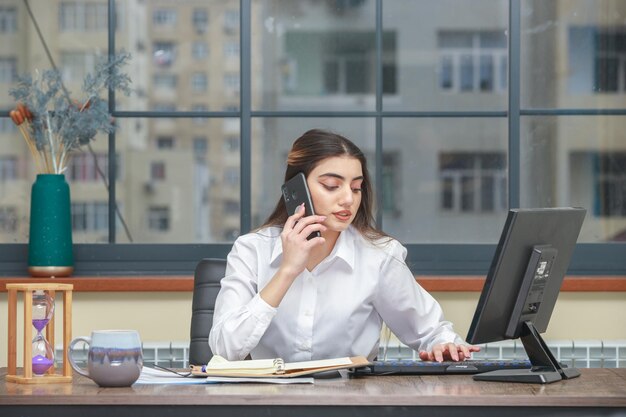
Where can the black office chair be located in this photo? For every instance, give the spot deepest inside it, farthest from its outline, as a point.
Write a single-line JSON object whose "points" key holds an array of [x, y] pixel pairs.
{"points": [[206, 285]]}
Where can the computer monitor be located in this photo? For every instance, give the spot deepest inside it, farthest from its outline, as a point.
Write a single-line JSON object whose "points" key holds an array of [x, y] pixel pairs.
{"points": [[522, 286]]}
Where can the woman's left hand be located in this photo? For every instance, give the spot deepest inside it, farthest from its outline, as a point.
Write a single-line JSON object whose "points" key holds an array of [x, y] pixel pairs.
{"points": [[449, 352]]}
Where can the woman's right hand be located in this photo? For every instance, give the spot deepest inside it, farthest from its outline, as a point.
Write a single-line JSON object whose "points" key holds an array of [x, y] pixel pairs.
{"points": [[296, 247]]}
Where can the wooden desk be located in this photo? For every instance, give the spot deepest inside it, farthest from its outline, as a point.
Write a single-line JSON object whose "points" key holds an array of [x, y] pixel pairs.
{"points": [[596, 392]]}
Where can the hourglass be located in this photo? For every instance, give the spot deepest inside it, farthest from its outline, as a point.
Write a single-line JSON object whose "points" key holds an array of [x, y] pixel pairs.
{"points": [[39, 351], [42, 352]]}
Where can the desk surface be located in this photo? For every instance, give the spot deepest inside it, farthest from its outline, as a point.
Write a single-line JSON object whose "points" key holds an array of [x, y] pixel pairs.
{"points": [[401, 395]]}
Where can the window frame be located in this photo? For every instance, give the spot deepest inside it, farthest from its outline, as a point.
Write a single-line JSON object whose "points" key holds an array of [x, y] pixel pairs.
{"points": [[437, 259]]}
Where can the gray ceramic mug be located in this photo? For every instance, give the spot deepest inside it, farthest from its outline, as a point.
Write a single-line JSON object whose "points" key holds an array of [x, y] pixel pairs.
{"points": [[114, 358]]}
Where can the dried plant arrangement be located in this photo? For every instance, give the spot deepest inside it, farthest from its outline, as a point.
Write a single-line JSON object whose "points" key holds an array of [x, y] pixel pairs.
{"points": [[52, 124]]}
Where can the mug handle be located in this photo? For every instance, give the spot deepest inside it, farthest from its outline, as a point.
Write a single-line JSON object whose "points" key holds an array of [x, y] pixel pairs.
{"points": [[77, 368]]}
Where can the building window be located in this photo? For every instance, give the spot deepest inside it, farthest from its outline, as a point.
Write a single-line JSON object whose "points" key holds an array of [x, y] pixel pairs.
{"points": [[8, 219], [231, 176], [610, 184], [472, 61], [200, 145], [199, 81], [231, 144], [76, 65], [8, 168], [165, 81], [165, 142], [83, 17], [473, 182], [8, 70], [83, 168], [164, 17], [346, 61], [231, 82], [164, 54], [199, 50], [610, 62], [90, 216], [200, 20], [8, 19], [159, 218], [157, 171], [231, 49], [231, 207], [164, 107], [231, 21]]}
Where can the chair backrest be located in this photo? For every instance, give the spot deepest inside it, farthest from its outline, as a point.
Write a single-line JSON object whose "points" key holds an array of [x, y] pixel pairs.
{"points": [[206, 285]]}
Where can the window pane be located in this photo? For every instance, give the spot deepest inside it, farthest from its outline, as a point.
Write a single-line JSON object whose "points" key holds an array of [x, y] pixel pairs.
{"points": [[443, 63], [577, 161], [445, 178], [172, 52], [271, 141], [573, 53], [178, 171], [316, 55]]}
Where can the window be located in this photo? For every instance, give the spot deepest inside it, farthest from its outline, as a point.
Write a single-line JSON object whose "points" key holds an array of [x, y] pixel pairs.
{"points": [[346, 62], [8, 219], [199, 82], [165, 81], [8, 69], [610, 62], [159, 218], [76, 64], [164, 54], [473, 182], [199, 50], [231, 176], [232, 144], [231, 21], [472, 61], [8, 19], [610, 184], [164, 107], [231, 207], [231, 82], [83, 168], [157, 171], [90, 216], [200, 19], [164, 17], [77, 16], [200, 145], [231, 49], [165, 142], [8, 168]]}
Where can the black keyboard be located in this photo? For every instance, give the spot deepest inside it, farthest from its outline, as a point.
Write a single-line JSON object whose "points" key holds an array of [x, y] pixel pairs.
{"points": [[418, 367]]}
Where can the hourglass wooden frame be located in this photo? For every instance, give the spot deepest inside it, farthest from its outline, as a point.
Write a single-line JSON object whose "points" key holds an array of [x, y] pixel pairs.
{"points": [[50, 376]]}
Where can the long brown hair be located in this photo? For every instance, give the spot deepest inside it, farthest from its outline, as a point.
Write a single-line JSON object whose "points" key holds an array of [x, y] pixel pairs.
{"points": [[306, 153]]}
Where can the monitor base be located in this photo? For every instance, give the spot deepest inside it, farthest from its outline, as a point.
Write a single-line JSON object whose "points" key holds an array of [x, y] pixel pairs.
{"points": [[520, 375]]}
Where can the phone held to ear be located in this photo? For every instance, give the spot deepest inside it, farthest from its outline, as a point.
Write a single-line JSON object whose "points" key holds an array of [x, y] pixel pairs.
{"points": [[295, 192]]}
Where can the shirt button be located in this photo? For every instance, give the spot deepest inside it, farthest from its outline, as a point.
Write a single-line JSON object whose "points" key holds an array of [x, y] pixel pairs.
{"points": [[306, 346]]}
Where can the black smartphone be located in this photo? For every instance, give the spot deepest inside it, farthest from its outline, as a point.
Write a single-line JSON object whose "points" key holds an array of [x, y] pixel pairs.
{"points": [[295, 192]]}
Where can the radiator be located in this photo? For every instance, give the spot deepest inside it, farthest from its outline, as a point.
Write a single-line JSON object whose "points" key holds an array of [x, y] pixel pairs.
{"points": [[573, 353]]}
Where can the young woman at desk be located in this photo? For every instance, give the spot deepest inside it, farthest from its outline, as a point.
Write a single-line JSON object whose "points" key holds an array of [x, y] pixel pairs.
{"points": [[297, 299]]}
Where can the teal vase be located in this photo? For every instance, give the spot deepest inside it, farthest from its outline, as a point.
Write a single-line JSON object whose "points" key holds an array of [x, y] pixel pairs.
{"points": [[50, 238]]}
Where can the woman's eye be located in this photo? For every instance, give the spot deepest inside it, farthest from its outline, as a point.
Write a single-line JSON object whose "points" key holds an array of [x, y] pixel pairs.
{"points": [[330, 187], [356, 190]]}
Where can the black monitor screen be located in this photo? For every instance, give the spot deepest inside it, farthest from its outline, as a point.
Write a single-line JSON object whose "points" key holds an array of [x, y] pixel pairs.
{"points": [[525, 277]]}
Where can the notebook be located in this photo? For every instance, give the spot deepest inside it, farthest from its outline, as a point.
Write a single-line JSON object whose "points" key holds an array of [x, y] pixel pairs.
{"points": [[274, 368]]}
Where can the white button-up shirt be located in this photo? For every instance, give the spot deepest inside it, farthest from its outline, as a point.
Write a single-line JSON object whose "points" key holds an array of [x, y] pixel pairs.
{"points": [[335, 310]]}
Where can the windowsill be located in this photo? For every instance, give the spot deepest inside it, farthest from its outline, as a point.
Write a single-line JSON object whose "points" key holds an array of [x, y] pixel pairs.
{"points": [[184, 283]]}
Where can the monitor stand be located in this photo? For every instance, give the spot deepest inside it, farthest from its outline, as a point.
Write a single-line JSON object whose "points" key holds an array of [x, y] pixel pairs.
{"points": [[545, 368]]}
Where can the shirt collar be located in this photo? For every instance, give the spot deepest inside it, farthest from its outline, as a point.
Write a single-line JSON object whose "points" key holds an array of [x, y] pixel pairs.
{"points": [[345, 248]]}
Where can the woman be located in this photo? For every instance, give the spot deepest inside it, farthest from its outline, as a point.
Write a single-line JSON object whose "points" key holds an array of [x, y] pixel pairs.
{"points": [[298, 299]]}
